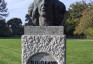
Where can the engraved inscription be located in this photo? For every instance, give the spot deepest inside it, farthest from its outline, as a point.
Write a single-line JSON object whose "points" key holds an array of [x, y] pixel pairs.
{"points": [[43, 62]]}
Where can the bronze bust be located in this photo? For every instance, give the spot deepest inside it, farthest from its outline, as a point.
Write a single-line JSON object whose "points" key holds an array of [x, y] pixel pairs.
{"points": [[46, 12]]}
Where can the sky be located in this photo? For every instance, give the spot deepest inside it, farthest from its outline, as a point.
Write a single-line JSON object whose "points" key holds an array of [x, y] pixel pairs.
{"points": [[19, 8]]}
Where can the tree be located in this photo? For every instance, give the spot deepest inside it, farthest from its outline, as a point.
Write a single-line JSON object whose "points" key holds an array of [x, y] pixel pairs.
{"points": [[3, 9], [29, 20], [4, 30], [15, 24], [73, 15], [86, 22]]}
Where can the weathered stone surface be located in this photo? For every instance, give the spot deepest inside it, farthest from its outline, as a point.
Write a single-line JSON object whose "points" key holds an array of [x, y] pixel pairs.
{"points": [[54, 45], [44, 30]]}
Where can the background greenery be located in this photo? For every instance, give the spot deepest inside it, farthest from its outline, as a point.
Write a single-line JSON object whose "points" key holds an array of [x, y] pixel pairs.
{"points": [[78, 21], [77, 51]]}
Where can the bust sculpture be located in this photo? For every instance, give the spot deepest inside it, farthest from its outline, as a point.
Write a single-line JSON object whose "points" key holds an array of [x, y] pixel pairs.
{"points": [[46, 12]]}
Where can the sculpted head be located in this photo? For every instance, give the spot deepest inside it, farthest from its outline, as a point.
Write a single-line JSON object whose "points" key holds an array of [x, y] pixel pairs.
{"points": [[45, 7], [46, 12]]}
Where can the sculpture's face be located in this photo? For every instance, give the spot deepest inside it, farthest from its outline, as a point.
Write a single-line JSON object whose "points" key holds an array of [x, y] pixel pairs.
{"points": [[45, 7]]}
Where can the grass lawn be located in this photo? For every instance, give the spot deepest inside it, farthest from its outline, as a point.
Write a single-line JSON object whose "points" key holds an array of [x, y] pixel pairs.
{"points": [[78, 52], [10, 51]]}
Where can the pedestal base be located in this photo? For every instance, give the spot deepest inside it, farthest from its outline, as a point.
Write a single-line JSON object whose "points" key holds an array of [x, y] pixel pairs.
{"points": [[43, 49]]}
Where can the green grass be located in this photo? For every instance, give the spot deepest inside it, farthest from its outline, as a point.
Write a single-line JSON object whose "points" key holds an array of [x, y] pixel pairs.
{"points": [[78, 52], [10, 51]]}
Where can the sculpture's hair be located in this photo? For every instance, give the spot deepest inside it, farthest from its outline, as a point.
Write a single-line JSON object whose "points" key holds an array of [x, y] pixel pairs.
{"points": [[58, 12]]}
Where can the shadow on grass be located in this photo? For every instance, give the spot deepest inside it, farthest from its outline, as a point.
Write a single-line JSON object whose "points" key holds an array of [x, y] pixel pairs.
{"points": [[14, 37]]}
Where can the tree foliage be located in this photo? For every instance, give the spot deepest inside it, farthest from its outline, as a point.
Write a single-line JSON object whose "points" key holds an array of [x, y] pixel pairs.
{"points": [[86, 22], [78, 18], [28, 20], [3, 9], [16, 25], [4, 30]]}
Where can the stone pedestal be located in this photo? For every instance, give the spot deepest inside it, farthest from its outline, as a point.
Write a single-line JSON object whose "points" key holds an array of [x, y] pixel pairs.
{"points": [[44, 45]]}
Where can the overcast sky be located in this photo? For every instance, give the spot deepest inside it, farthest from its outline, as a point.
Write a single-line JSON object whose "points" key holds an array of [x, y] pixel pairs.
{"points": [[19, 8]]}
